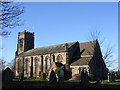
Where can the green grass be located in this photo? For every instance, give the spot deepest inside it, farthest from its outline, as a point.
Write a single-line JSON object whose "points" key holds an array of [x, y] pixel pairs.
{"points": [[28, 79], [66, 81], [104, 82], [116, 82], [92, 81], [15, 79], [34, 79]]}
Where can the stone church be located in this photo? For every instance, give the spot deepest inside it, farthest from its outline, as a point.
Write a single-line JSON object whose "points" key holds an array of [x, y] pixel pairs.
{"points": [[74, 57]]}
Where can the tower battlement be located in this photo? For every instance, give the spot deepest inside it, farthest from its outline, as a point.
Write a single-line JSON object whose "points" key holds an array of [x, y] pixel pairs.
{"points": [[25, 41], [26, 32]]}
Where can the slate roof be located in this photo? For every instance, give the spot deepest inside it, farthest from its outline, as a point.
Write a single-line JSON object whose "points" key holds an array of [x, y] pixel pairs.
{"points": [[87, 49], [82, 61], [46, 50]]}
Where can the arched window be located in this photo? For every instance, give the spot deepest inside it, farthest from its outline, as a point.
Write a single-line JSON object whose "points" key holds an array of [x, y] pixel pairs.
{"points": [[59, 58], [36, 66], [53, 58], [79, 70], [31, 67], [21, 44], [27, 66], [19, 62], [47, 64], [41, 63]]}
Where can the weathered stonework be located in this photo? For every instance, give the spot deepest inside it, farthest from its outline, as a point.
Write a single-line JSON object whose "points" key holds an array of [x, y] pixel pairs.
{"points": [[27, 63], [34, 62]]}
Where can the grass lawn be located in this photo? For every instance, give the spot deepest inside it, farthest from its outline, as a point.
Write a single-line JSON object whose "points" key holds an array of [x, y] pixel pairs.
{"points": [[34, 79], [92, 81], [15, 79], [116, 82], [28, 79]]}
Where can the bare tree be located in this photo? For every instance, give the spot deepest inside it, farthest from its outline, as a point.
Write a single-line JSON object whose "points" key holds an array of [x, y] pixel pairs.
{"points": [[108, 51], [96, 35], [10, 16], [2, 64], [11, 64]]}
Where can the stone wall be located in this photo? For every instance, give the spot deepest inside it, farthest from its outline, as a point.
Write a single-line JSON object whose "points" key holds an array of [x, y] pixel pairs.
{"points": [[39, 63], [78, 69]]}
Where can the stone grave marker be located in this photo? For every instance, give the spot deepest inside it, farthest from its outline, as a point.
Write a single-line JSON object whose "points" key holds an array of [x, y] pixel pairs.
{"points": [[7, 76], [61, 76], [53, 78], [44, 76], [84, 77]]}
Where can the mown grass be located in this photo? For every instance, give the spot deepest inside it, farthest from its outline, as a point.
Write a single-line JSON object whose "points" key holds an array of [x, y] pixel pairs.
{"points": [[92, 81], [116, 82], [34, 79], [28, 79], [15, 79]]}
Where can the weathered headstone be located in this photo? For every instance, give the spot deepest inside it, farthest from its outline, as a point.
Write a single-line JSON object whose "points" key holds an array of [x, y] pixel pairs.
{"points": [[61, 76], [53, 78], [44, 76], [7, 76], [67, 74], [84, 77], [21, 78], [110, 77]]}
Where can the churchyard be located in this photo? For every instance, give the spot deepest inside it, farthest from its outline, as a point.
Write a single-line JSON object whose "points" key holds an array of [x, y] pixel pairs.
{"points": [[11, 82], [116, 81]]}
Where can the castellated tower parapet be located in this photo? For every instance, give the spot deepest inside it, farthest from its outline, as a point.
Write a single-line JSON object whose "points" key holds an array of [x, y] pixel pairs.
{"points": [[25, 41], [26, 32]]}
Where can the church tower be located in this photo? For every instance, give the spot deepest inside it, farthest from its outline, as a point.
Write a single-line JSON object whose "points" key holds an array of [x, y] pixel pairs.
{"points": [[25, 42]]}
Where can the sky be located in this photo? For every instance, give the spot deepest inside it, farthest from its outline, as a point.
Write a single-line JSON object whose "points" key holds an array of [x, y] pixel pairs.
{"points": [[64, 22], [119, 37], [66, 0]]}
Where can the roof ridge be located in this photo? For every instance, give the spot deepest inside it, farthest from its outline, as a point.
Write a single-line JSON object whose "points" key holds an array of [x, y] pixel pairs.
{"points": [[54, 45], [89, 41], [49, 48]]}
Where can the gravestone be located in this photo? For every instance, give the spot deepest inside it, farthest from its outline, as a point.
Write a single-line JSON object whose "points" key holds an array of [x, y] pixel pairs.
{"points": [[44, 76], [67, 74], [84, 77], [110, 77], [7, 76], [61, 76], [53, 78], [21, 77]]}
